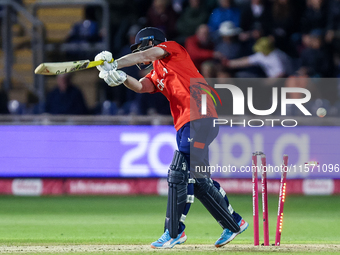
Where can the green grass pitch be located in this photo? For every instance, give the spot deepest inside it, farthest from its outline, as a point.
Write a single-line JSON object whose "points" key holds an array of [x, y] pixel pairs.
{"points": [[138, 220]]}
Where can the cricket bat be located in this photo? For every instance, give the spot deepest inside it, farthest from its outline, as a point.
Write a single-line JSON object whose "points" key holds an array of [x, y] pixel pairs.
{"points": [[56, 68]]}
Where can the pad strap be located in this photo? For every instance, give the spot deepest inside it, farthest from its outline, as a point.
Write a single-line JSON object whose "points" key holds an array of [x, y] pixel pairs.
{"points": [[177, 193], [213, 200]]}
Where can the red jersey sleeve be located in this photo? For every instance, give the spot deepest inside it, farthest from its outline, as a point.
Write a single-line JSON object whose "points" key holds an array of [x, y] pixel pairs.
{"points": [[150, 77], [175, 52]]}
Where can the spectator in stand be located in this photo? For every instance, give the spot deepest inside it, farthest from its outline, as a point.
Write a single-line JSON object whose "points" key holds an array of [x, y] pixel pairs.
{"points": [[275, 63], [161, 15], [230, 46], [314, 17], [254, 17], [177, 5], [200, 47], [122, 15], [86, 31], [223, 73], [208, 69], [65, 98], [316, 60], [284, 25], [333, 29], [188, 22], [3, 102], [226, 11]]}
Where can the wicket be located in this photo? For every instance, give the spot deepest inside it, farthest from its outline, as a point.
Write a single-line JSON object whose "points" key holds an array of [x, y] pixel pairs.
{"points": [[282, 197], [255, 200]]}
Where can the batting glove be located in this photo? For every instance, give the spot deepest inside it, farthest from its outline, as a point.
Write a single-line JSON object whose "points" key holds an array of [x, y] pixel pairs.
{"points": [[113, 78], [109, 64]]}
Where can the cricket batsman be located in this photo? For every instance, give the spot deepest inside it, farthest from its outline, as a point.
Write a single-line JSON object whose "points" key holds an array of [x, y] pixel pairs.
{"points": [[171, 74]]}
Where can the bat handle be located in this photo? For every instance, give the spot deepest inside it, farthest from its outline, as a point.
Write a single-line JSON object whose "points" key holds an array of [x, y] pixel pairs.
{"points": [[98, 63]]}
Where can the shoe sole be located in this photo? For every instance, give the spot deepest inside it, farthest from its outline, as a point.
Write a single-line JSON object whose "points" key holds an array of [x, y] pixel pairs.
{"points": [[233, 236], [179, 241]]}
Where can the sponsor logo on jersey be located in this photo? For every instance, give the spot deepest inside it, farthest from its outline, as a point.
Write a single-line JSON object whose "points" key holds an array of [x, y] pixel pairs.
{"points": [[160, 84]]}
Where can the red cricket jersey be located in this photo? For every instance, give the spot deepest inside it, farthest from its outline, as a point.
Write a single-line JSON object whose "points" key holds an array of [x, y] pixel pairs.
{"points": [[171, 76]]}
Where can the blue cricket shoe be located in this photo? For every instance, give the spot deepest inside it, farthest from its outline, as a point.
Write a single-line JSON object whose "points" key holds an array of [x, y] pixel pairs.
{"points": [[227, 236], [166, 242]]}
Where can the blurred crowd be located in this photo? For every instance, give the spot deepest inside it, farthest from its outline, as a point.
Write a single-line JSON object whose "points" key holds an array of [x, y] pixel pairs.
{"points": [[229, 39], [242, 39]]}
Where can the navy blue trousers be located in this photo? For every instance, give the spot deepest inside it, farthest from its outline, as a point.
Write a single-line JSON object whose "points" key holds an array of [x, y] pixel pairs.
{"points": [[193, 140]]}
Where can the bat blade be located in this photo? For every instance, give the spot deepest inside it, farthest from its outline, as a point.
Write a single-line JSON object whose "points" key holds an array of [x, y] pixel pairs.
{"points": [[56, 68]]}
